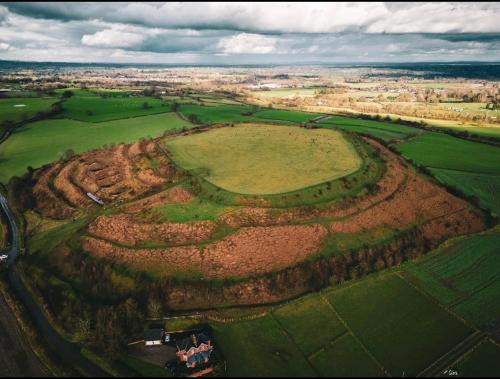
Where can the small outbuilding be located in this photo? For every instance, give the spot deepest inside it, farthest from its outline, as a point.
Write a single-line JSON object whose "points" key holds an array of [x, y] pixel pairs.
{"points": [[153, 337]]}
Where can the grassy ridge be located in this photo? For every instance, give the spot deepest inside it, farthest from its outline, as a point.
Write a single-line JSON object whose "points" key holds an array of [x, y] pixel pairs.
{"points": [[265, 159], [45, 141]]}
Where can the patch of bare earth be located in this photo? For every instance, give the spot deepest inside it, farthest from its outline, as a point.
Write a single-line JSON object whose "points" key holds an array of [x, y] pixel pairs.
{"points": [[120, 173], [247, 252], [127, 230], [175, 195]]}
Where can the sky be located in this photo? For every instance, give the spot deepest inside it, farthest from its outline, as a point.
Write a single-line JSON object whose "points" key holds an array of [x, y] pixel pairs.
{"points": [[249, 33]]}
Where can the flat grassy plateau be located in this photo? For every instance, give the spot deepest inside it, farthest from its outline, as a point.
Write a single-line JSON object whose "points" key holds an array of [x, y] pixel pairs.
{"points": [[265, 159]]}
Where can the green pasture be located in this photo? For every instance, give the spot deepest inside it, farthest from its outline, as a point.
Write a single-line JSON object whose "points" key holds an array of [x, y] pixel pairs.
{"points": [[357, 329], [386, 131], [402, 328], [19, 109], [439, 150], [218, 113], [194, 210], [485, 187], [42, 142], [464, 276], [260, 348], [483, 362], [301, 319], [98, 109], [284, 115], [345, 358], [265, 159]]}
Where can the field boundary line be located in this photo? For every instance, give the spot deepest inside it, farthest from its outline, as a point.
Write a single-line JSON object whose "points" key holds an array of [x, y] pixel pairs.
{"points": [[435, 301], [289, 336], [331, 342], [465, 355], [474, 339], [354, 336]]}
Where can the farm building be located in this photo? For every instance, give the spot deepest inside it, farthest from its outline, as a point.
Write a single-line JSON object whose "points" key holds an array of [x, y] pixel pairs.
{"points": [[153, 337], [195, 350]]}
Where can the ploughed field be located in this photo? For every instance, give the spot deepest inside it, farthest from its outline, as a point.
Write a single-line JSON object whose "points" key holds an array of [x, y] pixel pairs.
{"points": [[173, 207]]}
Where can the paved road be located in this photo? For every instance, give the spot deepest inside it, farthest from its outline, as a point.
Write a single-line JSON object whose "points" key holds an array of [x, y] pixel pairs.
{"points": [[68, 352]]}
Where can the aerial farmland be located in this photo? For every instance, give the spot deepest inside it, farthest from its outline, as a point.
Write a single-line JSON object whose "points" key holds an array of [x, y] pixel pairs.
{"points": [[247, 217]]}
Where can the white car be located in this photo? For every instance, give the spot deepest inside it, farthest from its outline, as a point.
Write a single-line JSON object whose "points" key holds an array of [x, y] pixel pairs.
{"points": [[3, 257]]}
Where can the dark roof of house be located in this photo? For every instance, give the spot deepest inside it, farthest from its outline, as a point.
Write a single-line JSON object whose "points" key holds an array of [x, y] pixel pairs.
{"points": [[153, 334], [187, 343]]}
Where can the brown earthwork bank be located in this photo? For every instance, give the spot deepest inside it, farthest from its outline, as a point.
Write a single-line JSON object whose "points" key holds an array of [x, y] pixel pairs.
{"points": [[260, 254]]}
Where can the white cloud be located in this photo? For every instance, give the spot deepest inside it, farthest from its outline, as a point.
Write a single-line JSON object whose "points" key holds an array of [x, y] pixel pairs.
{"points": [[5, 46], [113, 38], [371, 17], [245, 43]]}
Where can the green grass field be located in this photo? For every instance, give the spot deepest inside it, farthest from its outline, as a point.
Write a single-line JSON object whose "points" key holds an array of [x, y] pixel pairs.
{"points": [[402, 328], [218, 113], [195, 210], [261, 348], [464, 276], [386, 131], [19, 109], [226, 113], [385, 323], [484, 187], [265, 159], [285, 115], [301, 319], [483, 362], [443, 151], [45, 141], [345, 358], [97, 109]]}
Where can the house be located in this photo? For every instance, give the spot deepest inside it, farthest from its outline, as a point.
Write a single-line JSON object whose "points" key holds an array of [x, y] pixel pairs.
{"points": [[195, 350], [153, 337]]}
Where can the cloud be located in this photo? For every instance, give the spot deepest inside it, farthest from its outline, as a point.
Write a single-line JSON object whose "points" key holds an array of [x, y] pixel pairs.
{"points": [[112, 38], [249, 33], [5, 46], [369, 17], [245, 43]]}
